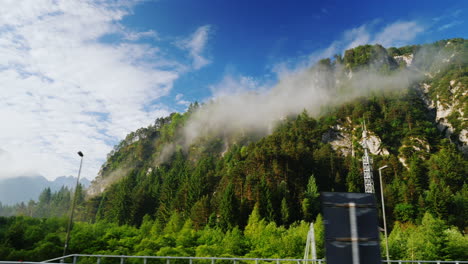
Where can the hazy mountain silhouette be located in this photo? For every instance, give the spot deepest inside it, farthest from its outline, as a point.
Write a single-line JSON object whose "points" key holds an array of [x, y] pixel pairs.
{"points": [[24, 188]]}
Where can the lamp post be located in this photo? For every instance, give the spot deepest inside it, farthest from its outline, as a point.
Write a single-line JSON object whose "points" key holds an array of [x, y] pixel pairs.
{"points": [[383, 211], [73, 206]]}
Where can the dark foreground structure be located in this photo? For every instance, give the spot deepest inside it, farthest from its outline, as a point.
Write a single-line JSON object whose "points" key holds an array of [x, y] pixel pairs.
{"points": [[351, 228]]}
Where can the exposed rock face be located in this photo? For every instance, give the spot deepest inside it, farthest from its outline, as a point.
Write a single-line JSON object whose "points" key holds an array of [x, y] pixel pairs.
{"points": [[403, 161], [411, 146], [444, 110], [341, 139], [408, 59], [149, 170], [441, 117], [375, 145], [464, 138], [420, 144]]}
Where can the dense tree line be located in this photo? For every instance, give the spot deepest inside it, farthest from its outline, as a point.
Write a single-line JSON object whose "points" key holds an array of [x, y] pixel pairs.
{"points": [[49, 204], [34, 239], [284, 172]]}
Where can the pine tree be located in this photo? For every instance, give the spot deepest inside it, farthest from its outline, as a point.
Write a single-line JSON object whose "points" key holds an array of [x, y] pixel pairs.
{"points": [[354, 181], [427, 242], [228, 208], [439, 198], [200, 212], [265, 206], [311, 203], [284, 212]]}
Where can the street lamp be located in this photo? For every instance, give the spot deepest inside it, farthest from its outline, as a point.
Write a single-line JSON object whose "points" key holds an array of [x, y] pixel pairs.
{"points": [[383, 211], [73, 205]]}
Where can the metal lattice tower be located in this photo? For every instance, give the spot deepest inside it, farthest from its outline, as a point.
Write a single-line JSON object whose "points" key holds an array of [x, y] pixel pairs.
{"points": [[367, 164], [310, 250]]}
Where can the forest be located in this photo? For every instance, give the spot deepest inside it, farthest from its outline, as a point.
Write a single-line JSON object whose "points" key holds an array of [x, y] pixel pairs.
{"points": [[254, 195]]}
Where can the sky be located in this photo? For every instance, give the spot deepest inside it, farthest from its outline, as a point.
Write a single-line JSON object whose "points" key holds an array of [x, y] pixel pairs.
{"points": [[80, 75]]}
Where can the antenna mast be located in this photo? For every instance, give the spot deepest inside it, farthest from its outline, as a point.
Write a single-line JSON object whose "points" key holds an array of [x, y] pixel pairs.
{"points": [[367, 164]]}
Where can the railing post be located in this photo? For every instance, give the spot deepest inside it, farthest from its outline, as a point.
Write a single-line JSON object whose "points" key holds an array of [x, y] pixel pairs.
{"points": [[194, 260]]}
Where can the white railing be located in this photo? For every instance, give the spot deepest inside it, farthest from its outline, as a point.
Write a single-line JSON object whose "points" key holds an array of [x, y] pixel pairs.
{"points": [[27, 262], [212, 260]]}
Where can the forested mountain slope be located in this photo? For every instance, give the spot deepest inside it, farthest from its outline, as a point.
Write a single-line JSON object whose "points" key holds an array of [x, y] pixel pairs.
{"points": [[196, 180], [418, 126]]}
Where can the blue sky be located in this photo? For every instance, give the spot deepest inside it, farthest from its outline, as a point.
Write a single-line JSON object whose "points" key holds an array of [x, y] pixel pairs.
{"points": [[80, 75], [251, 37]]}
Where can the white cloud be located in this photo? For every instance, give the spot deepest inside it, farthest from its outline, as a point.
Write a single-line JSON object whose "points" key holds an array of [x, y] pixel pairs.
{"points": [[134, 36], [179, 96], [449, 25], [245, 107], [300, 87], [62, 90], [232, 85], [448, 15], [398, 34], [357, 36], [183, 102], [195, 45], [180, 101]]}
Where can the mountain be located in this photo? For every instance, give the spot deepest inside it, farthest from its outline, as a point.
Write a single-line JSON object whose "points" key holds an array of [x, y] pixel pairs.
{"points": [[216, 162], [241, 175], [25, 188], [67, 181], [277, 150]]}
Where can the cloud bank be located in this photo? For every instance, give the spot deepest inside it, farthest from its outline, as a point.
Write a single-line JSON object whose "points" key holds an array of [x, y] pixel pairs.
{"points": [[242, 105], [73, 78], [312, 90]]}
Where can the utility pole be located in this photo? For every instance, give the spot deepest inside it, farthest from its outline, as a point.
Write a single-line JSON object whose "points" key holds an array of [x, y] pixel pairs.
{"points": [[383, 211], [70, 220]]}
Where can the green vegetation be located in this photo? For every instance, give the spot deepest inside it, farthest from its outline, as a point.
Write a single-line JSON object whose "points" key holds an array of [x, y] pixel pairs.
{"points": [[254, 196], [25, 238]]}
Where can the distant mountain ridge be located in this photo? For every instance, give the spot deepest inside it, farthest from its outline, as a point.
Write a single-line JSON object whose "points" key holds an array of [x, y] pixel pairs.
{"points": [[25, 188]]}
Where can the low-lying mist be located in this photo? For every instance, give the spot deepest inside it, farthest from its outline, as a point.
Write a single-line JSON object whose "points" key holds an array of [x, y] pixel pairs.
{"points": [[314, 89], [309, 90]]}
